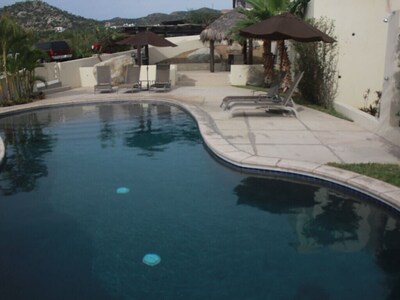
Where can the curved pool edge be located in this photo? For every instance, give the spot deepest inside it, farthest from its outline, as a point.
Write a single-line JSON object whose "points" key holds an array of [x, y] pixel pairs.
{"points": [[221, 148], [2, 151]]}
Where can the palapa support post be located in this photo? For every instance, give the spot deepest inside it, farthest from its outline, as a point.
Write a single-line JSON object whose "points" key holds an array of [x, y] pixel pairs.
{"points": [[212, 47]]}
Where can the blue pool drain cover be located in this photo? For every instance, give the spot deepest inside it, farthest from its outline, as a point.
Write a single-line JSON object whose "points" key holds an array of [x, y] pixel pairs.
{"points": [[122, 190], [151, 259]]}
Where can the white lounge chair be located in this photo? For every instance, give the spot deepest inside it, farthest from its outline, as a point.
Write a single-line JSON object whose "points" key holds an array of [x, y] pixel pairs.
{"points": [[162, 82], [132, 81], [270, 95], [279, 103], [103, 77]]}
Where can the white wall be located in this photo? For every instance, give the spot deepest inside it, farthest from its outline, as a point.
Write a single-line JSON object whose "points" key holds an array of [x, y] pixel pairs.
{"points": [[147, 74], [389, 120], [68, 72], [361, 35], [76, 73], [240, 74]]}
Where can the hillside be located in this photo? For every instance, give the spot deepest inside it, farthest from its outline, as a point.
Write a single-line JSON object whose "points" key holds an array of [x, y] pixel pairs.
{"points": [[40, 16], [158, 18], [151, 19]]}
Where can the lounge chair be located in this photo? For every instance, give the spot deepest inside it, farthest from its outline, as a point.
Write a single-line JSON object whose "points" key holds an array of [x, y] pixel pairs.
{"points": [[281, 103], [132, 82], [271, 93], [162, 82], [103, 77]]}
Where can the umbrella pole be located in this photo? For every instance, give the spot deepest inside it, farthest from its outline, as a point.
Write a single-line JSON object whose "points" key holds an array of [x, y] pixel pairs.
{"points": [[250, 53], [147, 73], [139, 55], [146, 49]]}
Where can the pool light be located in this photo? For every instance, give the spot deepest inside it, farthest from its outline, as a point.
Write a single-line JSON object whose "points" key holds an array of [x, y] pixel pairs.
{"points": [[122, 190], [151, 259]]}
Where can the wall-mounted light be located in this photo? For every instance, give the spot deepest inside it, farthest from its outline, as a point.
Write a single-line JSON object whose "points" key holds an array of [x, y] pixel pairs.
{"points": [[388, 17]]}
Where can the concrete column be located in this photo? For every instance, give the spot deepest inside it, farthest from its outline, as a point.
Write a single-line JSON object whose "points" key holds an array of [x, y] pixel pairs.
{"points": [[389, 119]]}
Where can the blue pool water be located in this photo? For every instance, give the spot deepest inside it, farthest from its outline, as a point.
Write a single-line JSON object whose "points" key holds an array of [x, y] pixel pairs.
{"points": [[122, 201]]}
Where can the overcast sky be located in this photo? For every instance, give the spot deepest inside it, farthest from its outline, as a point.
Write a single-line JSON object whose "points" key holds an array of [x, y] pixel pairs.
{"points": [[108, 9]]}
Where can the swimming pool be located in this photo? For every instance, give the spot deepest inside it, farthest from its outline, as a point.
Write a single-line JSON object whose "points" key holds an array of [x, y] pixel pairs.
{"points": [[86, 192]]}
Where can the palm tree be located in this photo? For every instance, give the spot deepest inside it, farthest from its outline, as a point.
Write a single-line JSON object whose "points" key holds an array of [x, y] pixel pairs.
{"points": [[8, 32], [29, 60], [261, 10], [298, 7], [19, 61]]}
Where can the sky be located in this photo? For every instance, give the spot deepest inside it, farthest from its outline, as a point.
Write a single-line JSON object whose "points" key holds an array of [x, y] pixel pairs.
{"points": [[108, 9]]}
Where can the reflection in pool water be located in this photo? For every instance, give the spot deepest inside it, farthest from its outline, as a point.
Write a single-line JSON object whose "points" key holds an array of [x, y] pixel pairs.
{"points": [[221, 234]]}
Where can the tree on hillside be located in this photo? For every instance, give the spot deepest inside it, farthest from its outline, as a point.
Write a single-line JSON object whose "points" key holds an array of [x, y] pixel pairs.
{"points": [[200, 16]]}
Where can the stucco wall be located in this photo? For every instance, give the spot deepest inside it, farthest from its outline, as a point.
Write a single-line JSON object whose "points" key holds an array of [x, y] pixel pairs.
{"points": [[241, 74], [389, 121], [147, 74], [67, 72], [361, 35]]}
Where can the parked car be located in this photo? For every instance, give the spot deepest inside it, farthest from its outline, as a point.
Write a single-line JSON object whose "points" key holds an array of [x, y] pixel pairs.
{"points": [[57, 50]]}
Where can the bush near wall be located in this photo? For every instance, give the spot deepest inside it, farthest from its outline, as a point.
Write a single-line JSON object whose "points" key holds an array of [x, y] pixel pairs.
{"points": [[318, 61]]}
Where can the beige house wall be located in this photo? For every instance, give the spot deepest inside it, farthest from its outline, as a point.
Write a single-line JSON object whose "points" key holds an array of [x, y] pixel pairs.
{"points": [[389, 120], [361, 35]]}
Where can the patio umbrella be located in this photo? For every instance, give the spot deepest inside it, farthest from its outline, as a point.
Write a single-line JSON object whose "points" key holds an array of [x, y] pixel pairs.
{"points": [[283, 27], [146, 38]]}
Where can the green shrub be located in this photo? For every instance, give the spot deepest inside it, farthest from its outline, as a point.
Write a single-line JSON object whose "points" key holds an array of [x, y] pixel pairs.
{"points": [[318, 61]]}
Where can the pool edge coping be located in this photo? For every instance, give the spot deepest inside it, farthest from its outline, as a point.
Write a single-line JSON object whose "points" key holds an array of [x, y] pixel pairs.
{"points": [[2, 151], [385, 192], [214, 140]]}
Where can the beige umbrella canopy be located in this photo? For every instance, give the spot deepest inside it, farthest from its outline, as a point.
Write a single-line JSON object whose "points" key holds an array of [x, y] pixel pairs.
{"points": [[219, 30]]}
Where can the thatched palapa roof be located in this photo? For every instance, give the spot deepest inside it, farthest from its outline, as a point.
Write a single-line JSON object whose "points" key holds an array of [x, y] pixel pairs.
{"points": [[219, 29]]}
